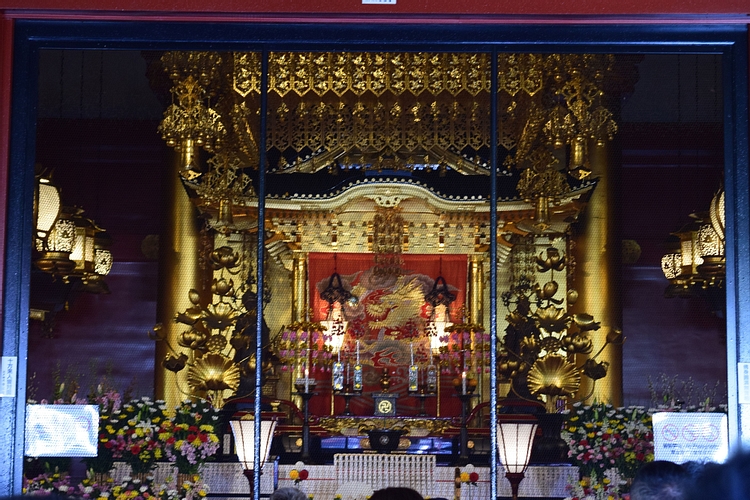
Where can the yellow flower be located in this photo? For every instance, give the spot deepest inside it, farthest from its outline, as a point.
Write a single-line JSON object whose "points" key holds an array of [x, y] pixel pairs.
{"points": [[202, 493], [572, 429], [574, 419], [464, 477], [213, 438], [207, 428], [589, 425], [606, 480], [294, 474], [591, 435], [584, 482]]}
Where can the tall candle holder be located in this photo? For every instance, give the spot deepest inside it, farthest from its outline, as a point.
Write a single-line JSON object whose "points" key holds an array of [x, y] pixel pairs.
{"points": [[303, 390], [465, 394], [347, 394], [422, 396]]}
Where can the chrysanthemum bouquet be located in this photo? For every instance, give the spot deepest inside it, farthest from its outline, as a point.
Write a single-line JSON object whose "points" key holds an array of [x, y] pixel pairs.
{"points": [[136, 439], [602, 438], [93, 488], [48, 483], [191, 436], [604, 487]]}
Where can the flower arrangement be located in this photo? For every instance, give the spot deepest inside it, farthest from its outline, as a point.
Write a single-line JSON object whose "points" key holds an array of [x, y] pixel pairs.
{"points": [[468, 477], [192, 489], [132, 435], [607, 442], [299, 473], [47, 483], [93, 487], [594, 489], [110, 403], [190, 436], [137, 488]]}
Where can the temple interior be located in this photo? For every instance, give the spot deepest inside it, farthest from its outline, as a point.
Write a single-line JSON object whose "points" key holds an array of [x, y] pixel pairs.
{"points": [[382, 238]]}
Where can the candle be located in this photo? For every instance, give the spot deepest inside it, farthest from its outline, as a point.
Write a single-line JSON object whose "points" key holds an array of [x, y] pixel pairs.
{"points": [[411, 349], [339, 355], [357, 351], [307, 379], [463, 382]]}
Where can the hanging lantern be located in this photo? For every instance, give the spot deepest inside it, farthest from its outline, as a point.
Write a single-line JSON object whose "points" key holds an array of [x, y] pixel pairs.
{"points": [[102, 254], [56, 249], [46, 206]]}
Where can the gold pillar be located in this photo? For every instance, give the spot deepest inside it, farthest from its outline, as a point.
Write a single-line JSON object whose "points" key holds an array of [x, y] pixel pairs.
{"points": [[476, 311], [476, 289], [299, 313], [299, 287], [179, 271], [598, 256]]}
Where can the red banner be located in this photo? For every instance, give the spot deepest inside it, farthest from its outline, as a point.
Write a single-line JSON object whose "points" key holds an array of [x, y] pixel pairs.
{"points": [[386, 323]]}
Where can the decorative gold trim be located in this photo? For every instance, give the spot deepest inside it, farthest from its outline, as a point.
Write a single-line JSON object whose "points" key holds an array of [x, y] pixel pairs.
{"points": [[345, 425]]}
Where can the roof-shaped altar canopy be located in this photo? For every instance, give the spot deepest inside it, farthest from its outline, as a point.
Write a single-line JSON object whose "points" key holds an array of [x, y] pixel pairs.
{"points": [[341, 125]]}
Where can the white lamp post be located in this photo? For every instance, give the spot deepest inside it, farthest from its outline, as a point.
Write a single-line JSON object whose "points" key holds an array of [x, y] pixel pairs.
{"points": [[244, 439], [514, 441]]}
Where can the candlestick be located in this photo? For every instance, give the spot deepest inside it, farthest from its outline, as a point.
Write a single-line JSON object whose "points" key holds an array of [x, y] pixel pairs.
{"points": [[413, 378]]}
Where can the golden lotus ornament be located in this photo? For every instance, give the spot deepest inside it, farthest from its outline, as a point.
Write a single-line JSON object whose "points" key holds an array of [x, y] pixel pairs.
{"points": [[219, 316], [552, 319], [553, 376], [215, 375]]}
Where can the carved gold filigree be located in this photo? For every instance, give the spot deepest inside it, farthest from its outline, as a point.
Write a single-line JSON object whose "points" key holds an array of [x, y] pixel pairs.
{"points": [[345, 425]]}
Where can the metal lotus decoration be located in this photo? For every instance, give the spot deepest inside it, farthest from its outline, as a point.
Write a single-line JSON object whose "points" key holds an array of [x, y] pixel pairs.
{"points": [[217, 335], [542, 338]]}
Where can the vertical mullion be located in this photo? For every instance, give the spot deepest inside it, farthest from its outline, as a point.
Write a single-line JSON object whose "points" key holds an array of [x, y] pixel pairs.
{"points": [[493, 276], [259, 266]]}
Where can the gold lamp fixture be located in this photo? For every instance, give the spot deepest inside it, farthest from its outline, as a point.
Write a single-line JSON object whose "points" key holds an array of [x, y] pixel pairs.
{"points": [[69, 245], [695, 263]]}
